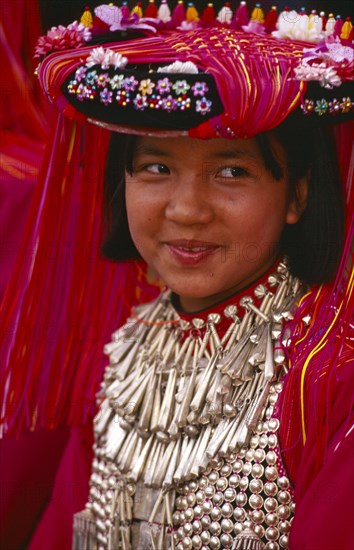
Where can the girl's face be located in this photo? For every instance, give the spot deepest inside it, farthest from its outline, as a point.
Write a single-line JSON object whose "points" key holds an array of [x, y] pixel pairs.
{"points": [[206, 214]]}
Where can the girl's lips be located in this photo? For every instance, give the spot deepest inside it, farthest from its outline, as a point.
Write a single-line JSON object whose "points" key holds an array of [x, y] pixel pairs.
{"points": [[191, 253]]}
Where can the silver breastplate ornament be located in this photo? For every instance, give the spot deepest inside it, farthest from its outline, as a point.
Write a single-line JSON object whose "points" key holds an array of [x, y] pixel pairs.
{"points": [[186, 445]]}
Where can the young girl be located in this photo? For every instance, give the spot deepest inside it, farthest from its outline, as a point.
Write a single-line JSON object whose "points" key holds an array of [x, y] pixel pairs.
{"points": [[224, 414]]}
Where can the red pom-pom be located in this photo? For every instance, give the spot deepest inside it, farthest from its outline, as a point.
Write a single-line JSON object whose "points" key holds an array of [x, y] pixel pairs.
{"points": [[271, 20], [151, 10], [208, 15]]}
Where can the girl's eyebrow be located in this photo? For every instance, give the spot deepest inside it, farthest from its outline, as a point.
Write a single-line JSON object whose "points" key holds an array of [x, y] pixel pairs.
{"points": [[151, 150], [235, 154], [227, 154]]}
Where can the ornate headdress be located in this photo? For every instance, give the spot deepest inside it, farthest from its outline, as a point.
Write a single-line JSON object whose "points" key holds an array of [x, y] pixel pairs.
{"points": [[220, 75]]}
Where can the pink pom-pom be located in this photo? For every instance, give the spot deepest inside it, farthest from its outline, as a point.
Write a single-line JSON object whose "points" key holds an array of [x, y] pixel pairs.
{"points": [[241, 17], [178, 14]]}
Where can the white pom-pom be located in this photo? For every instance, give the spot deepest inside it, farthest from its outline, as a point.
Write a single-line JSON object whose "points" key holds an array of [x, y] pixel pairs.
{"points": [[179, 67], [225, 15], [164, 12]]}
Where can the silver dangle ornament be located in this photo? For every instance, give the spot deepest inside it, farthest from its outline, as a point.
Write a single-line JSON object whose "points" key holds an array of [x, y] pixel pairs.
{"points": [[177, 397], [247, 539]]}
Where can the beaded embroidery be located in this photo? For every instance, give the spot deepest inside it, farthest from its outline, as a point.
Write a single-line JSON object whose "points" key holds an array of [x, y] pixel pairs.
{"points": [[109, 87]]}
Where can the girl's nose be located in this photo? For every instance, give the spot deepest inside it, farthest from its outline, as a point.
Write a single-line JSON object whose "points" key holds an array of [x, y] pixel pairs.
{"points": [[189, 202]]}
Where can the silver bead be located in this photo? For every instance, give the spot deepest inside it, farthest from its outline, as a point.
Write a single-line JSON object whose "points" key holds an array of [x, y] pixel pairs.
{"points": [[221, 484], [193, 486], [283, 482], [196, 542], [259, 530], [214, 543], [241, 499], [200, 496], [234, 480], [226, 540], [226, 470], [197, 526], [180, 533], [237, 466], [227, 509], [284, 541], [226, 525], [263, 441], [284, 497], [273, 424], [191, 499], [283, 512], [272, 545], [203, 482], [188, 529], [238, 528], [250, 454], [271, 458], [198, 511], [207, 506], [243, 483], [230, 494], [239, 514], [270, 504], [247, 468], [273, 399], [272, 441], [257, 516], [257, 470], [271, 489], [256, 485], [205, 537], [271, 473], [259, 455], [209, 491], [218, 498], [272, 533], [205, 521], [215, 528], [254, 441], [215, 514], [284, 526], [271, 519], [213, 477], [187, 543], [255, 501], [189, 514]]}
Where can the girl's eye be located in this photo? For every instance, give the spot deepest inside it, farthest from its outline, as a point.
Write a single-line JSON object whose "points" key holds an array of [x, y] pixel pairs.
{"points": [[157, 169], [232, 172]]}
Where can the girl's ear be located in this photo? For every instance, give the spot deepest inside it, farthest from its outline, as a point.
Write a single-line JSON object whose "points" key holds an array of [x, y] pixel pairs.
{"points": [[298, 204]]}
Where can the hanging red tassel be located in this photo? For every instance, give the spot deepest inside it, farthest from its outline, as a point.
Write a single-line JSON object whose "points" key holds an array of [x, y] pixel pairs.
{"points": [[151, 10], [270, 23], [338, 26], [125, 10], [178, 14], [241, 17], [324, 19], [208, 15]]}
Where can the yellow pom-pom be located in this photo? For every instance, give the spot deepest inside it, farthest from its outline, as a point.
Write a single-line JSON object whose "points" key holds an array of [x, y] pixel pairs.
{"points": [[86, 18], [257, 14], [138, 10], [346, 29], [191, 13]]}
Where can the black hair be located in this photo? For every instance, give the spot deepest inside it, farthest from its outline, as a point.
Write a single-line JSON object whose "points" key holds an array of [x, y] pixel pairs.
{"points": [[313, 245]]}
